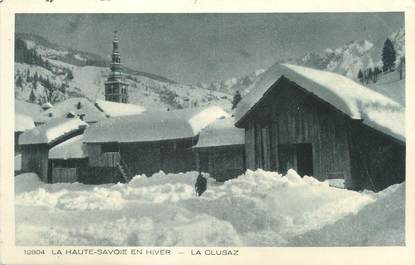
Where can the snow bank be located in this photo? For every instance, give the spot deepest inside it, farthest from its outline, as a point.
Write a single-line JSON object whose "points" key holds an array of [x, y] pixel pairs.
{"points": [[163, 211], [381, 223], [115, 109]]}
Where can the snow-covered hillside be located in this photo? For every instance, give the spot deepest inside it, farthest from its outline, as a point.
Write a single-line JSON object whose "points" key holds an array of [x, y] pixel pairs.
{"points": [[230, 86], [163, 211], [75, 74], [46, 72], [390, 85]]}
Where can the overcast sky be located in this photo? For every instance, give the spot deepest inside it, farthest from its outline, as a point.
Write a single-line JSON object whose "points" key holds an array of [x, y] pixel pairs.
{"points": [[205, 47]]}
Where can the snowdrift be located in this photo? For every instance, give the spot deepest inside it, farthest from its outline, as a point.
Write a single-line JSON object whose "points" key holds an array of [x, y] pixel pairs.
{"points": [[256, 209]]}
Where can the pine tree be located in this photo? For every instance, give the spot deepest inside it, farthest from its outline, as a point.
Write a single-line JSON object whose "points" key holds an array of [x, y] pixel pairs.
{"points": [[28, 78], [360, 75], [388, 56], [19, 81], [32, 97], [370, 74], [236, 99], [378, 71]]}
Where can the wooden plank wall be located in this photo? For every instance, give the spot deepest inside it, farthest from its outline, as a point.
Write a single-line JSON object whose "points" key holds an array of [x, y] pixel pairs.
{"points": [[94, 153], [35, 159], [250, 145], [168, 156], [224, 162], [61, 175], [295, 117], [377, 160]]}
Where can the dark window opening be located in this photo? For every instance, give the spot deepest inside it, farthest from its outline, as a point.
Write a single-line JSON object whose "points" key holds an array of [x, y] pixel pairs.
{"points": [[62, 163], [110, 147], [296, 156]]}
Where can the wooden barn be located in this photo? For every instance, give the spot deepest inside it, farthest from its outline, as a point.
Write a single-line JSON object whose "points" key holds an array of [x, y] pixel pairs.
{"points": [[69, 161], [220, 150], [35, 144], [146, 143], [325, 125]]}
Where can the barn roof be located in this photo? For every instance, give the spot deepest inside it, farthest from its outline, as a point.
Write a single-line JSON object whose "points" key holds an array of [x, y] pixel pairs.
{"points": [[115, 109], [79, 106], [221, 132], [23, 123], [28, 109], [154, 126], [70, 149], [349, 97], [51, 131]]}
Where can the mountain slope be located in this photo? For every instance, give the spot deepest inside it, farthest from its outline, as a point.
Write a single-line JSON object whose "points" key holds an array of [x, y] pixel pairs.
{"points": [[46, 72], [346, 60]]}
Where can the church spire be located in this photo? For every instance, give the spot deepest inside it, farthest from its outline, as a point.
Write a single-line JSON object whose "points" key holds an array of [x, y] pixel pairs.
{"points": [[116, 57], [116, 89]]}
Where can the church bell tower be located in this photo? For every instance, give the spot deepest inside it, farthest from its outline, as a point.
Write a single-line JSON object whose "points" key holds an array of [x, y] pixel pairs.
{"points": [[116, 89]]}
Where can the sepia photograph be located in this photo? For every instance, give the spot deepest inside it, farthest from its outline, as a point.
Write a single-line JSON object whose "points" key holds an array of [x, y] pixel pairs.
{"points": [[210, 129], [207, 132]]}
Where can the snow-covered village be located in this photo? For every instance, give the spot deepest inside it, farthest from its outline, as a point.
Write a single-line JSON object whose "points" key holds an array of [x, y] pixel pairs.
{"points": [[277, 144]]}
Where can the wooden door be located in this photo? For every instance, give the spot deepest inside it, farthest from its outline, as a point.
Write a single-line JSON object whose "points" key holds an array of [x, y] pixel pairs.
{"points": [[287, 157], [296, 156]]}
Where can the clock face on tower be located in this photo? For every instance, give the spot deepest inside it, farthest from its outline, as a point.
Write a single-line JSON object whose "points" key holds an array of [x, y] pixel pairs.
{"points": [[116, 89]]}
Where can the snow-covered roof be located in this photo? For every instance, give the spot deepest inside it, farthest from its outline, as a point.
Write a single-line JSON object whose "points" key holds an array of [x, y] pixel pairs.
{"points": [[154, 125], [52, 131], [79, 106], [28, 109], [115, 109], [221, 132], [351, 98], [47, 105], [22, 123], [72, 148]]}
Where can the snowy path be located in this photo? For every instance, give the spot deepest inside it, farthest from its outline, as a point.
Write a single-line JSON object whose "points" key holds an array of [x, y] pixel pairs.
{"points": [[257, 209]]}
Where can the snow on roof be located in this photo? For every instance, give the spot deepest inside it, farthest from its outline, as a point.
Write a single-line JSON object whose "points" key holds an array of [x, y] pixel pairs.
{"points": [[72, 148], [351, 98], [79, 106], [28, 109], [221, 132], [154, 125], [115, 109], [22, 123], [51, 131], [47, 106]]}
